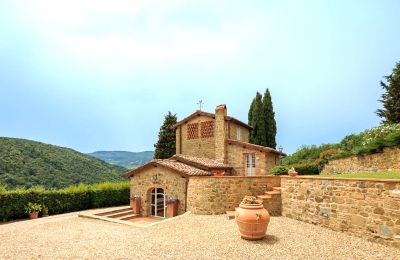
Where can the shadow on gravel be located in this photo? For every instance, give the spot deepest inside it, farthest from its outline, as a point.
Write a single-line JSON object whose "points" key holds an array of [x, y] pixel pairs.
{"points": [[268, 240]]}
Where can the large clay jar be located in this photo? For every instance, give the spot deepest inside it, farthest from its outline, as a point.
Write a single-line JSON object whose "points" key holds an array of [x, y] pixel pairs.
{"points": [[136, 204], [253, 220]]}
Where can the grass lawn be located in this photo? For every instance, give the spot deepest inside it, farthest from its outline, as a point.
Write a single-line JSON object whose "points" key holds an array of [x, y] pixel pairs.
{"points": [[364, 175]]}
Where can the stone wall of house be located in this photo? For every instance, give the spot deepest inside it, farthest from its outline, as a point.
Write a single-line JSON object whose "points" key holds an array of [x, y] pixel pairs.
{"points": [[388, 160], [200, 147], [366, 208], [233, 129], [216, 195], [173, 184], [264, 161]]}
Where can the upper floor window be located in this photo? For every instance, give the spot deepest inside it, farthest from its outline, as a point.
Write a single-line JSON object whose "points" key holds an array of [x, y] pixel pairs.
{"points": [[239, 133], [193, 131], [207, 129]]}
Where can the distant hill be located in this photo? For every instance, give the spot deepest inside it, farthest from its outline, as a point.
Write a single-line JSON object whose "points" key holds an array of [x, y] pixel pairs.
{"points": [[125, 159], [25, 163]]}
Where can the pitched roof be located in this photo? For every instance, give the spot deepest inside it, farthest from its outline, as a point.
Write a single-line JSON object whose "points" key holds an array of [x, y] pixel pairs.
{"points": [[255, 146], [211, 115], [179, 167], [201, 162]]}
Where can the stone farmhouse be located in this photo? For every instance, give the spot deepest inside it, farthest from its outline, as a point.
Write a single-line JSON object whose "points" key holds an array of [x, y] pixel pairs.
{"points": [[207, 144]]}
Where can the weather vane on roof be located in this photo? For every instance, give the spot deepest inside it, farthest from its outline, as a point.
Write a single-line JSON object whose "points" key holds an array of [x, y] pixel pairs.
{"points": [[200, 104]]}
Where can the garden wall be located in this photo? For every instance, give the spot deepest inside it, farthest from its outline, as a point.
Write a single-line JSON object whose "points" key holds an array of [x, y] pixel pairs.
{"points": [[388, 160], [367, 208], [216, 195]]}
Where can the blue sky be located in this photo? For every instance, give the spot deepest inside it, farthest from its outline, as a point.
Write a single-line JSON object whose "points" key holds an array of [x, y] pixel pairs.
{"points": [[100, 75]]}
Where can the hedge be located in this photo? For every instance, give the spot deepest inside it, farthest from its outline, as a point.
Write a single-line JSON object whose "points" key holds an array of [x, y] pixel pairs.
{"points": [[308, 168], [13, 202]]}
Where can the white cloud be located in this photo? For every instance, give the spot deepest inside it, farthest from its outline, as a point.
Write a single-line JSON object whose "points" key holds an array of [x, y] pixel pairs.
{"points": [[158, 43]]}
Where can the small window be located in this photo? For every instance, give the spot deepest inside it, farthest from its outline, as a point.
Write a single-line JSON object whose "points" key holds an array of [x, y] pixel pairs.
{"points": [[193, 131], [239, 133]]}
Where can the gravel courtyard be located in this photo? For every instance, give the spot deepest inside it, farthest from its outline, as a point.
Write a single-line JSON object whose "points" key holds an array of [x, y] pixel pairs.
{"points": [[190, 236]]}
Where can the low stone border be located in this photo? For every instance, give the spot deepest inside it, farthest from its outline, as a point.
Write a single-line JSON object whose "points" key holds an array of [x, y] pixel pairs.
{"points": [[125, 222], [319, 177]]}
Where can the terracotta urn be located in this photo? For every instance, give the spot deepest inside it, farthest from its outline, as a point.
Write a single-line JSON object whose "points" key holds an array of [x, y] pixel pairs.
{"points": [[34, 215], [136, 203], [218, 174], [252, 220], [292, 172], [172, 208]]}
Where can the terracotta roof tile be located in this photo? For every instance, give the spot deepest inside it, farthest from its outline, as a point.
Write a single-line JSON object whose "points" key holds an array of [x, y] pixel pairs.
{"points": [[255, 146], [200, 162], [211, 115], [180, 167]]}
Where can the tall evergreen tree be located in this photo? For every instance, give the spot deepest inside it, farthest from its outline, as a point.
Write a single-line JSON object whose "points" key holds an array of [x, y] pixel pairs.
{"points": [[165, 147], [270, 123], [391, 98], [250, 118], [258, 122]]}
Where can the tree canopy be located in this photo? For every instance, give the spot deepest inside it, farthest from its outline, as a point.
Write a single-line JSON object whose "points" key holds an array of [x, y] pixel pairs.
{"points": [[390, 113], [166, 144], [261, 117]]}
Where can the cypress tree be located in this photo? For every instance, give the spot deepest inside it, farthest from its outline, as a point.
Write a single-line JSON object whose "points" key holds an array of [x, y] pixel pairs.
{"points": [[250, 118], [258, 122], [390, 113], [270, 123], [165, 146]]}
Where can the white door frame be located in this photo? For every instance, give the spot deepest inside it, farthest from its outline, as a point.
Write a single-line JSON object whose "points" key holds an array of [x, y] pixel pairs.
{"points": [[250, 164], [153, 197]]}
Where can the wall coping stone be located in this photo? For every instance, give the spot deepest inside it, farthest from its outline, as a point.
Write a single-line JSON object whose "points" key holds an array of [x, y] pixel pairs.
{"points": [[237, 177], [343, 179]]}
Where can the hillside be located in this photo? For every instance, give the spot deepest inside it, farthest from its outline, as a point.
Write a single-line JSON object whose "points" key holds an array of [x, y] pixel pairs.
{"points": [[25, 163], [125, 159]]}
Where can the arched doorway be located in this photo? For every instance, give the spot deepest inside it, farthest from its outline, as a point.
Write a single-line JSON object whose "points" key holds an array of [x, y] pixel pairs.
{"points": [[157, 203]]}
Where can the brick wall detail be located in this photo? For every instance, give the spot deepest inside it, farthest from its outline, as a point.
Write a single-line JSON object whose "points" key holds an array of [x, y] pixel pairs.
{"points": [[365, 208], [216, 195], [173, 184], [388, 160]]}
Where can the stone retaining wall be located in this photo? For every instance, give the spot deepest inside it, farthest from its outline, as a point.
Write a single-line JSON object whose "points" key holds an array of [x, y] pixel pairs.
{"points": [[388, 160], [216, 195], [366, 208]]}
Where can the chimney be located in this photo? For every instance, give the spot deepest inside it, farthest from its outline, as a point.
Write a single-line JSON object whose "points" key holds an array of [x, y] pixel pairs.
{"points": [[220, 133]]}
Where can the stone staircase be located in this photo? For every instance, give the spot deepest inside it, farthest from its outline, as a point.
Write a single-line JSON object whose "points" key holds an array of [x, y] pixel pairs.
{"points": [[270, 199], [121, 214]]}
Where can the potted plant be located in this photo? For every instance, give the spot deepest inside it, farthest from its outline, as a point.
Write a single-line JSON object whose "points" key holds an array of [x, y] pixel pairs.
{"points": [[33, 210], [292, 172], [45, 211], [252, 218], [136, 203], [172, 207], [219, 174]]}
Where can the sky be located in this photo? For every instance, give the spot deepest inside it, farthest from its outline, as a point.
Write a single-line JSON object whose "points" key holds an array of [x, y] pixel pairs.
{"points": [[100, 75]]}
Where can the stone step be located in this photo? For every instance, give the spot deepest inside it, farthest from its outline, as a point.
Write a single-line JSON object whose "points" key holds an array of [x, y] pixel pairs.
{"points": [[276, 188], [113, 212], [126, 217], [118, 215], [272, 193], [230, 214]]}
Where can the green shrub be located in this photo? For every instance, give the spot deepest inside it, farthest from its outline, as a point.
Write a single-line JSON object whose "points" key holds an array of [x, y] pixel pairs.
{"points": [[12, 202], [308, 168], [307, 154], [280, 170]]}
